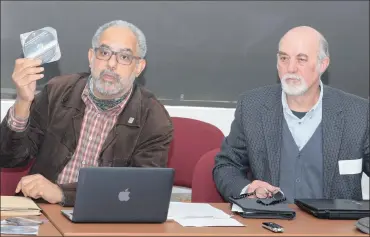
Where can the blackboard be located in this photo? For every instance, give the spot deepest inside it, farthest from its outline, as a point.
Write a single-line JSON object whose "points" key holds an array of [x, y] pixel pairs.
{"points": [[199, 53]]}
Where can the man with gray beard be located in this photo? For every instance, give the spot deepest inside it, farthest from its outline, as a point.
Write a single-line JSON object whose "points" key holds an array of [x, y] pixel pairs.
{"points": [[301, 138], [92, 119]]}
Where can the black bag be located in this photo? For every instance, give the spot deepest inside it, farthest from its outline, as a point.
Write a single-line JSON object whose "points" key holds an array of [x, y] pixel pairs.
{"points": [[254, 209]]}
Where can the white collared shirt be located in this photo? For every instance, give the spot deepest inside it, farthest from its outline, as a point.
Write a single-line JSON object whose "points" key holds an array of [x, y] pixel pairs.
{"points": [[303, 129]]}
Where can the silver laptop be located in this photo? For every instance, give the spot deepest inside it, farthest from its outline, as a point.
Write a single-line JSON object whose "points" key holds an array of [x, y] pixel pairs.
{"points": [[122, 194]]}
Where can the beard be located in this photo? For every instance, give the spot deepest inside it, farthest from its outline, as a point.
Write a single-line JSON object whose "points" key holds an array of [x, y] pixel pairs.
{"points": [[116, 86], [295, 87]]}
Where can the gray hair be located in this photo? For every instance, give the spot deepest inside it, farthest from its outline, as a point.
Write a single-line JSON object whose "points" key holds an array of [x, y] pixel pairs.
{"points": [[141, 40], [324, 48]]}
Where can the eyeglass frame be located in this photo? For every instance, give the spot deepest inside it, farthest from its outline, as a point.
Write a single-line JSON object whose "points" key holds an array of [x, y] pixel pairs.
{"points": [[273, 199], [132, 57]]}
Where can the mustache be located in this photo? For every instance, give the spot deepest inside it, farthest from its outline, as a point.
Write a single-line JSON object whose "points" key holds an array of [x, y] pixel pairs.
{"points": [[110, 73], [294, 76]]}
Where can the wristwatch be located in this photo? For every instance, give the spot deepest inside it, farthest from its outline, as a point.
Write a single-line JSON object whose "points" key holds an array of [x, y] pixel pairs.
{"points": [[62, 203]]}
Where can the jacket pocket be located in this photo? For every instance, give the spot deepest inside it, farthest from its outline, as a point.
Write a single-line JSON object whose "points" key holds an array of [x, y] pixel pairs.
{"points": [[120, 162]]}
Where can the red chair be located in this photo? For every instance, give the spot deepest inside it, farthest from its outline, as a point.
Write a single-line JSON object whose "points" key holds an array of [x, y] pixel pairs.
{"points": [[203, 186], [9, 178], [192, 139]]}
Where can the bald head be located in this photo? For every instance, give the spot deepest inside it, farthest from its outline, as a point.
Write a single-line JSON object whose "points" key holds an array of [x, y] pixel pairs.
{"points": [[302, 58], [307, 37]]}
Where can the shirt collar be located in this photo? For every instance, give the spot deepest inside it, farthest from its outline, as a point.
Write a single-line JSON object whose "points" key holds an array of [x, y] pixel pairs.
{"points": [[285, 103]]}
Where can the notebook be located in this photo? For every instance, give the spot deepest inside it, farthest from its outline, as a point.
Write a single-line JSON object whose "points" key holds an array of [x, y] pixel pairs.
{"points": [[18, 206]]}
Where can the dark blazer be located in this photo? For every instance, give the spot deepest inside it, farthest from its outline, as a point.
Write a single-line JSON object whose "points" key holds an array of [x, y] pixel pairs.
{"points": [[54, 130], [255, 139]]}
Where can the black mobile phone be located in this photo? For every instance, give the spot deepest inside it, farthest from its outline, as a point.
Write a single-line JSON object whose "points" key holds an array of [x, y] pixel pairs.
{"points": [[273, 227]]}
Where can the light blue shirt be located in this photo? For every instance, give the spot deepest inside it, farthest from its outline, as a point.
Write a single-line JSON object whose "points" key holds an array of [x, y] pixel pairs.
{"points": [[303, 129]]}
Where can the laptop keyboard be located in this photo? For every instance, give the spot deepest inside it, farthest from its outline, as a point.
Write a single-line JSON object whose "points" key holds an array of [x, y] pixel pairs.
{"points": [[68, 212]]}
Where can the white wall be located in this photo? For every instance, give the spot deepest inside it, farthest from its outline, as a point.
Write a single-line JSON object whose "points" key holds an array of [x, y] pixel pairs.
{"points": [[220, 117], [5, 105]]}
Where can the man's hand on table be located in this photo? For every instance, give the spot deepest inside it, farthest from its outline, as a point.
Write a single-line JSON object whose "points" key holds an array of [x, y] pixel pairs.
{"points": [[37, 186]]}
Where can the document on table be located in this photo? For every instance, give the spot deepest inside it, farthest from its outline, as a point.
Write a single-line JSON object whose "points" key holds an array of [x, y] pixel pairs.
{"points": [[18, 206], [199, 214], [19, 230], [207, 222], [194, 210], [13, 227], [236, 208]]}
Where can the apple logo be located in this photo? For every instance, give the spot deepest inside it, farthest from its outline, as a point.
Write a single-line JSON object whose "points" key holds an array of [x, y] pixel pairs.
{"points": [[124, 195]]}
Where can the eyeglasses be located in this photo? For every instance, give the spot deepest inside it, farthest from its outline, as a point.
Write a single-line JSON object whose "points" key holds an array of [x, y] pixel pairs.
{"points": [[122, 57], [265, 197]]}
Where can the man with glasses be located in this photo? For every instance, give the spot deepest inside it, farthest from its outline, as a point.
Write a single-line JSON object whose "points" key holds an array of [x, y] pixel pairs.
{"points": [[304, 138], [85, 120]]}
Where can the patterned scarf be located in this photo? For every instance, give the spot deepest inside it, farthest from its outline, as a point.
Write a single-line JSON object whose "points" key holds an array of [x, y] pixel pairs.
{"points": [[101, 103]]}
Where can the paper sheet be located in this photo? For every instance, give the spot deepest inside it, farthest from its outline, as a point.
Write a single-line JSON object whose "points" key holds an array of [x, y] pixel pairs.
{"points": [[18, 206], [17, 203], [19, 230], [206, 222], [236, 208], [182, 210], [14, 229]]}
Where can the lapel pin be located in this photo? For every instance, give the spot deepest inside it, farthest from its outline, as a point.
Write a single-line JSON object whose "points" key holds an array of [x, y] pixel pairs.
{"points": [[130, 120]]}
